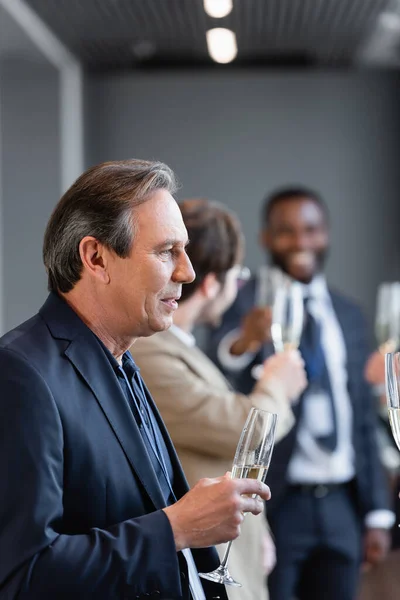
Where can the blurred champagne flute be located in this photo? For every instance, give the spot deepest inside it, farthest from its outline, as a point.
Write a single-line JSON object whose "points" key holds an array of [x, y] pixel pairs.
{"points": [[287, 316], [387, 321], [287, 319]]}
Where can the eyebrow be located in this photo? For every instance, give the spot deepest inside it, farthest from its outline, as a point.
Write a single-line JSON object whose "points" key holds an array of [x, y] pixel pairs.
{"points": [[171, 242]]}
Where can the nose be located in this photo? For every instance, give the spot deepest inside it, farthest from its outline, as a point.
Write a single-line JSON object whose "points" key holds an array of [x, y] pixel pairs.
{"points": [[301, 241], [184, 272]]}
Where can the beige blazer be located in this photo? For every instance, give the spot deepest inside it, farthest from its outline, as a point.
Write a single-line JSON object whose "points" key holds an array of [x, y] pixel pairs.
{"points": [[205, 417]]}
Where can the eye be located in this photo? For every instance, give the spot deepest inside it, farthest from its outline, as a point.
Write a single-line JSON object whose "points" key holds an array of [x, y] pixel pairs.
{"points": [[168, 252]]}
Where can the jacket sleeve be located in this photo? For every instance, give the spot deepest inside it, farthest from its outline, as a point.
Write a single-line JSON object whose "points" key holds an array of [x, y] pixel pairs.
{"points": [[37, 559], [371, 475], [199, 416]]}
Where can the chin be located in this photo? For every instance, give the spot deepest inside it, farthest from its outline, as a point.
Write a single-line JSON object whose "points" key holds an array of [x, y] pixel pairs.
{"points": [[306, 279], [160, 324], [301, 275]]}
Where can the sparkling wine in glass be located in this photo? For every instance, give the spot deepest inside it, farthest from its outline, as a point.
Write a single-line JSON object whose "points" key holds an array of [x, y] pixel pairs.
{"points": [[287, 316], [387, 320], [252, 459], [392, 369]]}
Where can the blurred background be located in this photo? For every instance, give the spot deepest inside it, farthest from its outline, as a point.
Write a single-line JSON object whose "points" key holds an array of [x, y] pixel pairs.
{"points": [[297, 92]]}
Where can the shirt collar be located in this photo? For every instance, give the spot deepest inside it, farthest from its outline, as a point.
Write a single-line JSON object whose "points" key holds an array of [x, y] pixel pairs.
{"points": [[126, 358], [187, 338], [316, 289]]}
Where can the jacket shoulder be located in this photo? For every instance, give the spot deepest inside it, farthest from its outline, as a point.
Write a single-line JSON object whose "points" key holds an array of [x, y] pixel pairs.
{"points": [[32, 342], [16, 339], [163, 342]]}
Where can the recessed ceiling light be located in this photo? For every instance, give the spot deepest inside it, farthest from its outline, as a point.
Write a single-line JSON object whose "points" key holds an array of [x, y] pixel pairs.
{"points": [[221, 44], [218, 8]]}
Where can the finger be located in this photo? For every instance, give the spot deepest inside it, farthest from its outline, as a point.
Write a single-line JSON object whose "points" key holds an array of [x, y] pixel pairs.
{"points": [[252, 486], [252, 505]]}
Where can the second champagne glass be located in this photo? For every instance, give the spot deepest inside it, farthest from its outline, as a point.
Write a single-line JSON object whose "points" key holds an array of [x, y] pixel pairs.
{"points": [[287, 316], [252, 459]]}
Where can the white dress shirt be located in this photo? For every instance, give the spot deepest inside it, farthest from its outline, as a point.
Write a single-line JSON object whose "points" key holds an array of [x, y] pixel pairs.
{"points": [[310, 463]]}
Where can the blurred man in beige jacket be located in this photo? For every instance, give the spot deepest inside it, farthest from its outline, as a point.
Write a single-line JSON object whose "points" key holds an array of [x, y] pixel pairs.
{"points": [[204, 416]]}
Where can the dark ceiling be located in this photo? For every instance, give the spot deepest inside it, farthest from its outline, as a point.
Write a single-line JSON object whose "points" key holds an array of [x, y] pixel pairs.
{"points": [[108, 34]]}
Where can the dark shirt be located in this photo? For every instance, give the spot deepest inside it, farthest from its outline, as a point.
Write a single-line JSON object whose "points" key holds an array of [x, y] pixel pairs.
{"points": [[136, 393]]}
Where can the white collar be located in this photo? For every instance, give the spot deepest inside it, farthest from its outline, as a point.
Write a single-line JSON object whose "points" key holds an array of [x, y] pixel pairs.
{"points": [[187, 338], [316, 289]]}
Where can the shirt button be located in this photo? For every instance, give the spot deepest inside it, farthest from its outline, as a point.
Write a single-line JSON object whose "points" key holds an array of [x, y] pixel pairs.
{"points": [[321, 491]]}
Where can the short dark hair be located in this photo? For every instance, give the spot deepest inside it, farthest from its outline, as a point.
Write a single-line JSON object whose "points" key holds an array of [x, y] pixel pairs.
{"points": [[99, 204], [290, 193], [216, 241]]}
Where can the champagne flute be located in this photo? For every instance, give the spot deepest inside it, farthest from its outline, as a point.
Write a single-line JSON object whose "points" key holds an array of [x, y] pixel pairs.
{"points": [[287, 316], [387, 321], [392, 379], [252, 458]]}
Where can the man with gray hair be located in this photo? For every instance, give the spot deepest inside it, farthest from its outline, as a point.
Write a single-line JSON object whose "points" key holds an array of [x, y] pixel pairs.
{"points": [[94, 503]]}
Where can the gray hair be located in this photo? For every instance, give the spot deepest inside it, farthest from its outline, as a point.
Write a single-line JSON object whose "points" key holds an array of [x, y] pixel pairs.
{"points": [[100, 204]]}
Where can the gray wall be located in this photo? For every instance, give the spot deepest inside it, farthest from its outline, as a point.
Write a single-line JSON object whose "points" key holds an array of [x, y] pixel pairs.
{"points": [[236, 135], [31, 181], [230, 136]]}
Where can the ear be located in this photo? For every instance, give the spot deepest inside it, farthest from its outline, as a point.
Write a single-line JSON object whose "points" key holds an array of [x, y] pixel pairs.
{"points": [[210, 286], [264, 239], [94, 257]]}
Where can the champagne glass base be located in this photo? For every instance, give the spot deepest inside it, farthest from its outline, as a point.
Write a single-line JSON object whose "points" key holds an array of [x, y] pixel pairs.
{"points": [[221, 575]]}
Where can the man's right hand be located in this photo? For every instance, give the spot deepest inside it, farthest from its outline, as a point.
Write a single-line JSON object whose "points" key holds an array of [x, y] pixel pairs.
{"points": [[288, 367], [213, 510], [254, 331]]}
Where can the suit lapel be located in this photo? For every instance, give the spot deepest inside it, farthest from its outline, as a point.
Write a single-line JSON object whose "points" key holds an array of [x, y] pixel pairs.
{"points": [[88, 358]]}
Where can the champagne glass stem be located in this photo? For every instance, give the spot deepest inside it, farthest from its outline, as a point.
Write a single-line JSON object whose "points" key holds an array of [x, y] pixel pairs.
{"points": [[224, 560]]}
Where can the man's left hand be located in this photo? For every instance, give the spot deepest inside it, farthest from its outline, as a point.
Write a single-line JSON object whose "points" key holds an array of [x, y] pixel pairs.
{"points": [[376, 546]]}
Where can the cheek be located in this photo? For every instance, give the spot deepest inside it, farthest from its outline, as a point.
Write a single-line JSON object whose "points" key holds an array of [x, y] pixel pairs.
{"points": [[231, 291], [156, 279], [282, 243], [317, 242]]}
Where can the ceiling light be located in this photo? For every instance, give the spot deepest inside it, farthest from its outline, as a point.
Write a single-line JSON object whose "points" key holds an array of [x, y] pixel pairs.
{"points": [[218, 8], [390, 21], [221, 44]]}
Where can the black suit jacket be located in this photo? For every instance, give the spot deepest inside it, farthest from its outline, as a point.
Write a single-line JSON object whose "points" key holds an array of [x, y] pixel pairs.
{"points": [[80, 509], [371, 485]]}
